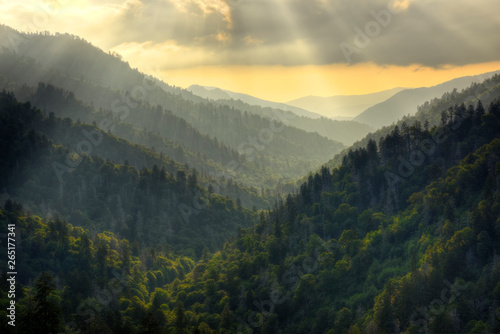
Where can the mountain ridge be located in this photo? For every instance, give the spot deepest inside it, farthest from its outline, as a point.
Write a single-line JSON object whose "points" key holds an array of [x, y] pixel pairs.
{"points": [[406, 101], [345, 131]]}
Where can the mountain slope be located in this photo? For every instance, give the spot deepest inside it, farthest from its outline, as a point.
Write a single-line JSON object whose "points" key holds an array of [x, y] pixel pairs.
{"points": [[63, 61], [406, 101], [345, 132], [66, 271], [63, 104], [343, 106], [162, 204]]}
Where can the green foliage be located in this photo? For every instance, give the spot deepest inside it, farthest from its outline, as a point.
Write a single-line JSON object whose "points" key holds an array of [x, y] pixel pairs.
{"points": [[83, 298]]}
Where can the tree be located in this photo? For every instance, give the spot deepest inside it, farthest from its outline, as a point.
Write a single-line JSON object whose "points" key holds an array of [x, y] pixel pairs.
{"points": [[180, 319], [203, 328], [383, 313], [44, 316], [150, 324], [85, 254], [192, 179], [180, 176], [101, 259], [479, 112], [225, 318], [125, 248], [343, 320]]}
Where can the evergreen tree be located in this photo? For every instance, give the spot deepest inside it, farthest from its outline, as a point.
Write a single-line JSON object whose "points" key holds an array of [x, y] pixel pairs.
{"points": [[44, 314], [180, 319]]}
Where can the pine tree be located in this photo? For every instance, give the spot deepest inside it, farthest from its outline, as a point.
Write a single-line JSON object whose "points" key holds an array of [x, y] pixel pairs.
{"points": [[150, 324], [225, 318], [180, 319], [44, 314]]}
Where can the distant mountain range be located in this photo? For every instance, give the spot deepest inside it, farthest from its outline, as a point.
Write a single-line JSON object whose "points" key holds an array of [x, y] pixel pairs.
{"points": [[344, 131], [342, 107], [406, 101], [214, 93], [375, 110]]}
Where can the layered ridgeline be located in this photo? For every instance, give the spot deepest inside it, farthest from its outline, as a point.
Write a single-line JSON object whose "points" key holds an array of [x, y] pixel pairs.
{"points": [[346, 132], [163, 204], [104, 81], [401, 237], [210, 164]]}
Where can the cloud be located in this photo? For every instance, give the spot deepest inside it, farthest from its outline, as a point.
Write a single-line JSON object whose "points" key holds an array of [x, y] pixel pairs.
{"points": [[426, 32], [283, 32]]}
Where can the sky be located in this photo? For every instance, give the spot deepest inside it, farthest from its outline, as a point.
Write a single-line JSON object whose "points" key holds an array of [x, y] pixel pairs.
{"points": [[282, 49]]}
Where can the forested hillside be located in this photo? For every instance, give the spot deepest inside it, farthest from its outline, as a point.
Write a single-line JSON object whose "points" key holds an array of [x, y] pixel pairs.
{"points": [[435, 112], [372, 247], [76, 280], [346, 132], [149, 205], [218, 165]]}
